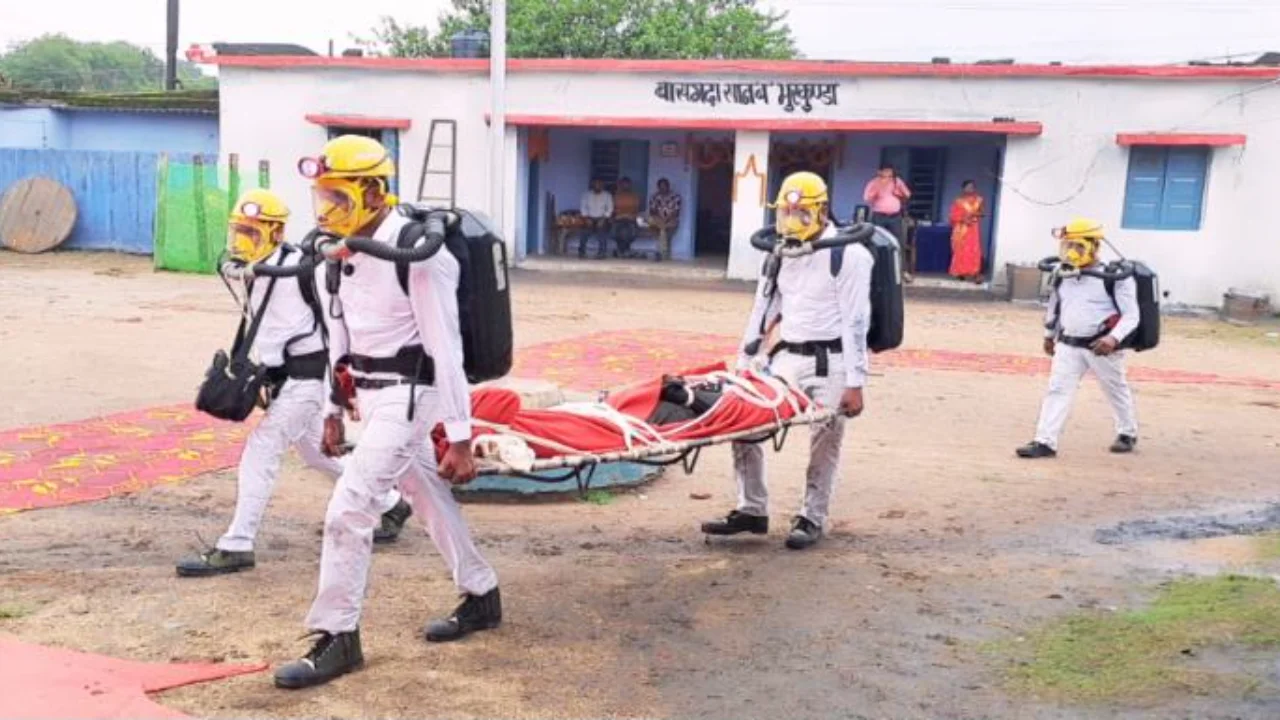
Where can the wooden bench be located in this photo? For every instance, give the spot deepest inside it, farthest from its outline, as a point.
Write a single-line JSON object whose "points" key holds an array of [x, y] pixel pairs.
{"points": [[661, 236]]}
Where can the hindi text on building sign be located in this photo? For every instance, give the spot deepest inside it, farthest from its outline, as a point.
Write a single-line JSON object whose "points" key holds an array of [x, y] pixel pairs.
{"points": [[789, 96]]}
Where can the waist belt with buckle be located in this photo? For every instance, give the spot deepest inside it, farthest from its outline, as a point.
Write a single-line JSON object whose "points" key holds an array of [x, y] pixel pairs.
{"points": [[302, 367], [307, 367], [819, 349], [412, 364], [1081, 342]]}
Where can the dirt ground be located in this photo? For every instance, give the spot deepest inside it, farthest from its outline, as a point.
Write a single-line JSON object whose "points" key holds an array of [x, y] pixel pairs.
{"points": [[942, 541]]}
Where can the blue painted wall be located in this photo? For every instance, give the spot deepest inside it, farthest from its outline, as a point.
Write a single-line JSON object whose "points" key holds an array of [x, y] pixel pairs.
{"points": [[143, 132], [36, 128], [65, 129], [115, 193]]}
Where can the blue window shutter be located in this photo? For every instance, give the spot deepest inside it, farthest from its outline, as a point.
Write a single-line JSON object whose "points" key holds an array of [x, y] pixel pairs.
{"points": [[1144, 187], [1184, 188], [391, 141]]}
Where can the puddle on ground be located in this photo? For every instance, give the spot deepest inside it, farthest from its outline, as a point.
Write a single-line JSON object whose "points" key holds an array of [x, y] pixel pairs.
{"points": [[1241, 539], [1251, 520]]}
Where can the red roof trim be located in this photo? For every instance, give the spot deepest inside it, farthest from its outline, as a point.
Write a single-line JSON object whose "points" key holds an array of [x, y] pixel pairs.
{"points": [[808, 68], [1209, 139], [359, 121], [783, 125]]}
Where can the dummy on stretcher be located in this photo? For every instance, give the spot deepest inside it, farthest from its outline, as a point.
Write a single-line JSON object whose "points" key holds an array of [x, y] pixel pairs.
{"points": [[663, 421]]}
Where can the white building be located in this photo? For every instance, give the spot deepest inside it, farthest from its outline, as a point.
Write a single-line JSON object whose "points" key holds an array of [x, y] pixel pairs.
{"points": [[1178, 161]]}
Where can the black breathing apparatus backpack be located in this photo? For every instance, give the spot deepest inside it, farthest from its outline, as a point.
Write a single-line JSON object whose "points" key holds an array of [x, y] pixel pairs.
{"points": [[888, 307], [1147, 334], [484, 288]]}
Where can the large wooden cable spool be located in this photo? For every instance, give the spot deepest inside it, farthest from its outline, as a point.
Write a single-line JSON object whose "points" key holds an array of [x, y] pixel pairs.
{"points": [[36, 214]]}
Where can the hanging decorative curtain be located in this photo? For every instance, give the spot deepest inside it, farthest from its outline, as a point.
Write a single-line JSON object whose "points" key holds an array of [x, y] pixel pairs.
{"points": [[539, 144], [707, 154], [818, 155]]}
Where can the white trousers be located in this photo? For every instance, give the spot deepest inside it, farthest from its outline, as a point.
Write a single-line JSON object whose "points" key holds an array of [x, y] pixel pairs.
{"points": [[1069, 366], [825, 440], [294, 419], [391, 449]]}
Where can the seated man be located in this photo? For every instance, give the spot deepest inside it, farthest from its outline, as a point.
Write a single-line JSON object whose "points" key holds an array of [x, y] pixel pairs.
{"points": [[664, 216], [597, 208], [626, 208]]}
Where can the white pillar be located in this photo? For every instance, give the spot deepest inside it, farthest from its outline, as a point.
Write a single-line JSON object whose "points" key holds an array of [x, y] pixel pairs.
{"points": [[750, 185], [497, 114], [510, 205]]}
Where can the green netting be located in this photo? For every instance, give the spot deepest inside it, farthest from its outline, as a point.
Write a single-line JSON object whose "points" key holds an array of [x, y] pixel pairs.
{"points": [[192, 203]]}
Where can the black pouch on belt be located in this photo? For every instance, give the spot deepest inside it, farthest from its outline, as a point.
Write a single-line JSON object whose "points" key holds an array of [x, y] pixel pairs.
{"points": [[233, 384]]}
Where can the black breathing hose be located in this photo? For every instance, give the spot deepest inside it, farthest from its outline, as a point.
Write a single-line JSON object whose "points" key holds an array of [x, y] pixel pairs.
{"points": [[433, 239], [1114, 272], [304, 266], [766, 239]]}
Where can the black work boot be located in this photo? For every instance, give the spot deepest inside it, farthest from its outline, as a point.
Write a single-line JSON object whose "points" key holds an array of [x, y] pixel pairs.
{"points": [[331, 657], [1124, 444], [737, 522], [1034, 450], [393, 522], [804, 533], [477, 612], [215, 562]]}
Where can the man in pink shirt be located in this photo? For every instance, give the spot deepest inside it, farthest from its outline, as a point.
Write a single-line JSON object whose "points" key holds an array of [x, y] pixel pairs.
{"points": [[887, 195]]}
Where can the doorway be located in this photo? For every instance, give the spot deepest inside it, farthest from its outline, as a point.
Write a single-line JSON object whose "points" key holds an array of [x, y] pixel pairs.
{"points": [[713, 228]]}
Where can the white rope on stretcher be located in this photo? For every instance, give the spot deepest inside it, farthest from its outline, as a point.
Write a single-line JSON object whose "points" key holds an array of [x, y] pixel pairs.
{"points": [[644, 440], [488, 467]]}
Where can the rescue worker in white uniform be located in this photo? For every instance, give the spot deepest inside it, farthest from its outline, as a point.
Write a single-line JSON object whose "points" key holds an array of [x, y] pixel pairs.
{"points": [[290, 344], [1084, 328], [823, 351], [405, 354]]}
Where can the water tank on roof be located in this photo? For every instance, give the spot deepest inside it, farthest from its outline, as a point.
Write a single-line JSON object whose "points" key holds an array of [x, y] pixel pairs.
{"points": [[470, 44]]}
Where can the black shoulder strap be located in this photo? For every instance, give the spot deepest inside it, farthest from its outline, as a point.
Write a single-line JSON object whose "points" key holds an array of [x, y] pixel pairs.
{"points": [[1110, 285], [837, 260], [409, 236], [244, 339]]}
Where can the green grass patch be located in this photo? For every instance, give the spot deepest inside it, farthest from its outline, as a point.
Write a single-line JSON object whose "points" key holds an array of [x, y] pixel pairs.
{"points": [[1146, 654], [598, 497]]}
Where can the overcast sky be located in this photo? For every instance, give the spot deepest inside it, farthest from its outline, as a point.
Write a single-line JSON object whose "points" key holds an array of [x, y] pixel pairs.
{"points": [[1033, 30]]}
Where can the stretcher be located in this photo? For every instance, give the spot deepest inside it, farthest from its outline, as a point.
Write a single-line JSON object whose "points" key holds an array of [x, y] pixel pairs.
{"points": [[662, 422]]}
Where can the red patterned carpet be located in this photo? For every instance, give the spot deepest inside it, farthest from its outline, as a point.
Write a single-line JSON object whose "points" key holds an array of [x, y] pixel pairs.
{"points": [[99, 458]]}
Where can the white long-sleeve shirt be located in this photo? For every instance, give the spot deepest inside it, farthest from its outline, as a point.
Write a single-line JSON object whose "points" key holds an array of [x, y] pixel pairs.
{"points": [[287, 316], [816, 306], [378, 319], [596, 204], [1080, 307]]}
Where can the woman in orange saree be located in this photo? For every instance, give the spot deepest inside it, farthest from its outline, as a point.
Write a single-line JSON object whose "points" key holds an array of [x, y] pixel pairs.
{"points": [[966, 243]]}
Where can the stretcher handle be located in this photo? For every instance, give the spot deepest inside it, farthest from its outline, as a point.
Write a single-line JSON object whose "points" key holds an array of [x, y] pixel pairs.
{"points": [[333, 247], [766, 240], [1115, 272]]}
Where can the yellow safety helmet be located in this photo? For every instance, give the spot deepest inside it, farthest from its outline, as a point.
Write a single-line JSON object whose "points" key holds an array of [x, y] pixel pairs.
{"points": [[256, 226], [1078, 242], [802, 206], [340, 177]]}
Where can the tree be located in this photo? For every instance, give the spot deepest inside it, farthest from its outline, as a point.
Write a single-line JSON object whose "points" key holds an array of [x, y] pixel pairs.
{"points": [[56, 62], [685, 29]]}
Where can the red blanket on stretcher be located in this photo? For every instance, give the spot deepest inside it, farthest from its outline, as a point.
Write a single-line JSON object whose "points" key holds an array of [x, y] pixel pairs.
{"points": [[733, 413]]}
